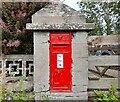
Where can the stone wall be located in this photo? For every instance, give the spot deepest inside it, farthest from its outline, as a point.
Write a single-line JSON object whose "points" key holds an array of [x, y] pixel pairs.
{"points": [[15, 66]]}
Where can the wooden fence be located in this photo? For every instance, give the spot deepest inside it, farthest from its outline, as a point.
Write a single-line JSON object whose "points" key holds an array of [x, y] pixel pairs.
{"points": [[103, 71], [110, 42]]}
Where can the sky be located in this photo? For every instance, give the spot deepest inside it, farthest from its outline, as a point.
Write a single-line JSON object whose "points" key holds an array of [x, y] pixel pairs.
{"points": [[72, 3]]}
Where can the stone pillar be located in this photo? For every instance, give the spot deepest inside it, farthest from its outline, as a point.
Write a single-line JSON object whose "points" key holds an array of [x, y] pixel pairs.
{"points": [[80, 64], [57, 17], [41, 64], [41, 61]]}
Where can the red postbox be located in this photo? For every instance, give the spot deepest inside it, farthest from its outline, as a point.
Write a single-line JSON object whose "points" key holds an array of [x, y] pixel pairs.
{"points": [[60, 62]]}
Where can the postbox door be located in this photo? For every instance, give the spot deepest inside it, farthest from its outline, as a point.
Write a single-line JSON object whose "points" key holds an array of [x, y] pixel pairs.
{"points": [[60, 62]]}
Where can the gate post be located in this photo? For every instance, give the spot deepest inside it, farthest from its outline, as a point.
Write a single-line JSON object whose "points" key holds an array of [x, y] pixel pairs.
{"points": [[60, 18]]}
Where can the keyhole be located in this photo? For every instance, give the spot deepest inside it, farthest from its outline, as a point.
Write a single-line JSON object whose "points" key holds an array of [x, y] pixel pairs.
{"points": [[57, 72]]}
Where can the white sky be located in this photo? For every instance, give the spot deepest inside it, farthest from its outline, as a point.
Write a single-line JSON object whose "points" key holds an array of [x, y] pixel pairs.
{"points": [[72, 3]]}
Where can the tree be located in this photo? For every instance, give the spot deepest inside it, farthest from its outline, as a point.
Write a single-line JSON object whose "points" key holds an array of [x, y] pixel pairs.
{"points": [[15, 15], [105, 15]]}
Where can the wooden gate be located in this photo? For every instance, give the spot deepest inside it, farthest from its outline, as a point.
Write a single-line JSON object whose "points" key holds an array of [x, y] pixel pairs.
{"points": [[104, 70]]}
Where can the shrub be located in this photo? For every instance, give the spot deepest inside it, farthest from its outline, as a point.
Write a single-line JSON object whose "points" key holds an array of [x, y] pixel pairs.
{"points": [[101, 96]]}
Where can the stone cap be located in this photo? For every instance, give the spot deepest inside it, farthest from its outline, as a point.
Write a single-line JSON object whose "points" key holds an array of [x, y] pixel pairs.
{"points": [[58, 17], [84, 26]]}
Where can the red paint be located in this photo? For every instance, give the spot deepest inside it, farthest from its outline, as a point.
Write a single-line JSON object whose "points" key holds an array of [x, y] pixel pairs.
{"points": [[60, 46]]}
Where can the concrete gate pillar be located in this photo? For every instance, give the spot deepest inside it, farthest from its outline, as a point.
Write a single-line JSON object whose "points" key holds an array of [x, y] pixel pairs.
{"points": [[55, 17]]}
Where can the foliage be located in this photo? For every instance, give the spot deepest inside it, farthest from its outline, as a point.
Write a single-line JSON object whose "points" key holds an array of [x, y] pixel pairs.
{"points": [[20, 96], [105, 15], [101, 96], [15, 15], [2, 87], [45, 98]]}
